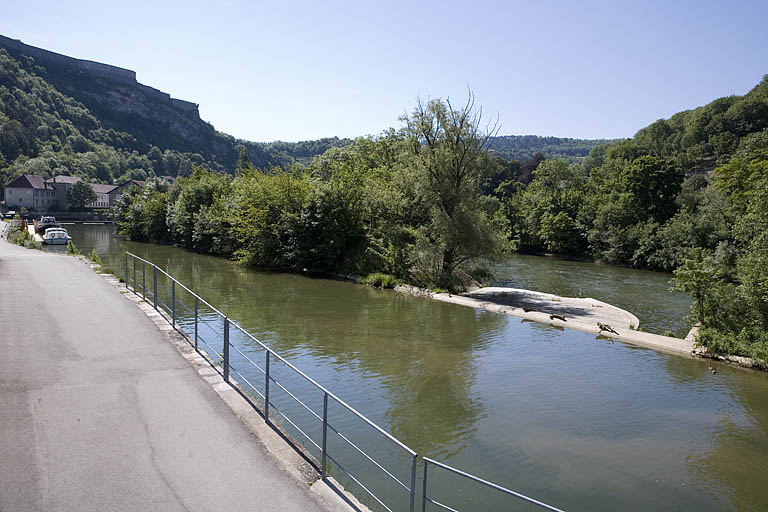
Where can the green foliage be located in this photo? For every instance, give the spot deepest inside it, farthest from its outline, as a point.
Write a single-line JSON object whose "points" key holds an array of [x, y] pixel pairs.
{"points": [[685, 195], [23, 238], [80, 194], [524, 147], [31, 243], [449, 153], [373, 205], [380, 280], [45, 132], [72, 248], [94, 257]]}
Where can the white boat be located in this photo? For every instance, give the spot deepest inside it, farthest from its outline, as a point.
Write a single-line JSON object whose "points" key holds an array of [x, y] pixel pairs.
{"points": [[56, 236]]}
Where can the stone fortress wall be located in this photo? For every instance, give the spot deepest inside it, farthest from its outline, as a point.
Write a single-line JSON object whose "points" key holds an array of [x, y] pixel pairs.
{"points": [[104, 71]]}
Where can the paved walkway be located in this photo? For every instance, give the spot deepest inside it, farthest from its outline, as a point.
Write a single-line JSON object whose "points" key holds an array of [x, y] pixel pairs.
{"points": [[98, 412]]}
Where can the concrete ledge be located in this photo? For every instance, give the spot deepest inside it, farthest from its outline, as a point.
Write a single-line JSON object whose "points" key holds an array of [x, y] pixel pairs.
{"points": [[583, 314]]}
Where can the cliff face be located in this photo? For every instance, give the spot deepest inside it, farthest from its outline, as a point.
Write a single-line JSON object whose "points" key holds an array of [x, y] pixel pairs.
{"points": [[114, 96]]}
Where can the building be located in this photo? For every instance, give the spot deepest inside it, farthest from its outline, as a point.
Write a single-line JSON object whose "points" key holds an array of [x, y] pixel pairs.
{"points": [[102, 195], [119, 190], [30, 192], [62, 184], [36, 193]]}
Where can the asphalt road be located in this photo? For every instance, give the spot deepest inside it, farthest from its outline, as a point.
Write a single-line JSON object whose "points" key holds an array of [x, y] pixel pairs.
{"points": [[99, 412]]}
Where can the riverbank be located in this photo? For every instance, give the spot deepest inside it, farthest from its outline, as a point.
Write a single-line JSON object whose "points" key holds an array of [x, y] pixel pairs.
{"points": [[100, 412]]}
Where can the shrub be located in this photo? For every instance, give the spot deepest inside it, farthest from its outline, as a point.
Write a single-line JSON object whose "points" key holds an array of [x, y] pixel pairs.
{"points": [[95, 257], [72, 249], [31, 243], [380, 280]]}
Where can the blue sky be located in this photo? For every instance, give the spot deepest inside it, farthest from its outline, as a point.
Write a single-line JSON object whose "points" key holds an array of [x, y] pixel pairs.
{"points": [[302, 70]]}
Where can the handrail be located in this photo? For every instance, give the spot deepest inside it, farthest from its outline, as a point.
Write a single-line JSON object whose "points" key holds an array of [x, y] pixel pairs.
{"points": [[181, 325], [477, 479], [286, 362]]}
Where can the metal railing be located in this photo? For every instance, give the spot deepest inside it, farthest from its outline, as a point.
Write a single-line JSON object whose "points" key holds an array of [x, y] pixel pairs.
{"points": [[426, 499], [136, 274]]}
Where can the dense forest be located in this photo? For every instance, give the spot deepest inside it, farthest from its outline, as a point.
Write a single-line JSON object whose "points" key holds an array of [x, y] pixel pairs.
{"points": [[524, 147]]}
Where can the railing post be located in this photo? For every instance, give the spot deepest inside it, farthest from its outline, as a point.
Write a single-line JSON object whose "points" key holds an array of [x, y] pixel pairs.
{"points": [[226, 349], [173, 303], [413, 481], [195, 322], [134, 275], [325, 431], [126, 270], [266, 390], [424, 489], [143, 281], [154, 284]]}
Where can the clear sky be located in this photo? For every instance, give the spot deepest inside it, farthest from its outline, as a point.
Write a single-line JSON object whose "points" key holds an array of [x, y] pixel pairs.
{"points": [[282, 70]]}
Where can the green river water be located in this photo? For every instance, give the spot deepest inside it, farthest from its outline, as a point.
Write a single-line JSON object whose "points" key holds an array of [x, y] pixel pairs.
{"points": [[575, 421]]}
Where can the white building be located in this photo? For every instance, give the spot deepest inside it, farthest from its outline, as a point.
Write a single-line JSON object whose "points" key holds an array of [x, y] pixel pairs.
{"points": [[30, 192], [102, 195]]}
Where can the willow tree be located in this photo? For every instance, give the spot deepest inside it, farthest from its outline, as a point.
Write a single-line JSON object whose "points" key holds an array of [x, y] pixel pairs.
{"points": [[449, 150]]}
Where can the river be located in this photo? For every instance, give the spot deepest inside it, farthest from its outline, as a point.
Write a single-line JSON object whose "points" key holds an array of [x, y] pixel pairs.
{"points": [[578, 422]]}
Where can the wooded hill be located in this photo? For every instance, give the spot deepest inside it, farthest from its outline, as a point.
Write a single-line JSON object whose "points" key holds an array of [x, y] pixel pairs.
{"points": [[524, 147], [60, 115]]}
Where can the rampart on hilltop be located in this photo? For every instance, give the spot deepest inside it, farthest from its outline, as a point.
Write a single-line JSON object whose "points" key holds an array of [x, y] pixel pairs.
{"points": [[96, 69]]}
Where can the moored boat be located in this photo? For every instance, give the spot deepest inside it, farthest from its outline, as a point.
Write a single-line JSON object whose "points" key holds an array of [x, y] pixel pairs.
{"points": [[56, 236], [44, 223]]}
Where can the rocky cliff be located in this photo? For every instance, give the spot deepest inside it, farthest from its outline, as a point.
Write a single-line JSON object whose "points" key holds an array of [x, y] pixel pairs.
{"points": [[114, 96]]}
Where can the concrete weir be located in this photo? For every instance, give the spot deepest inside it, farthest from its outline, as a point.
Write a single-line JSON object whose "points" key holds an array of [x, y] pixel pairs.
{"points": [[583, 314]]}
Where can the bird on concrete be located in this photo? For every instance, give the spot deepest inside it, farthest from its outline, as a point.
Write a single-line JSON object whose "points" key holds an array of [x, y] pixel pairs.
{"points": [[606, 328]]}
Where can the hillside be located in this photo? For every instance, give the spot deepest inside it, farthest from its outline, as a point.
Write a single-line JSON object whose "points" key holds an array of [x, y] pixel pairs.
{"points": [[95, 120], [523, 147]]}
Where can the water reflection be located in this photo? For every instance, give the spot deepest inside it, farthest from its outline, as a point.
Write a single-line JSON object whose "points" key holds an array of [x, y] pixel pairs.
{"points": [[730, 466]]}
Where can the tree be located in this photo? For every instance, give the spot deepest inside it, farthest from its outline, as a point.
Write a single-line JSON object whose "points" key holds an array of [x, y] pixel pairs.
{"points": [[80, 194], [243, 160], [449, 151], [653, 184]]}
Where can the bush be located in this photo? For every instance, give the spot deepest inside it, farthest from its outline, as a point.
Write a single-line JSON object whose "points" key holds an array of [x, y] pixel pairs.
{"points": [[31, 243], [380, 280], [72, 249], [23, 238], [95, 257]]}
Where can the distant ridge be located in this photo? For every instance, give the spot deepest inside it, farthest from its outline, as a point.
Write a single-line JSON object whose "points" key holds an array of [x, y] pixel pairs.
{"points": [[524, 147]]}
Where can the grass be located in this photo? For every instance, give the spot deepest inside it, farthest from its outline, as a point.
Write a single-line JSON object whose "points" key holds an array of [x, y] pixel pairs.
{"points": [[380, 280]]}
